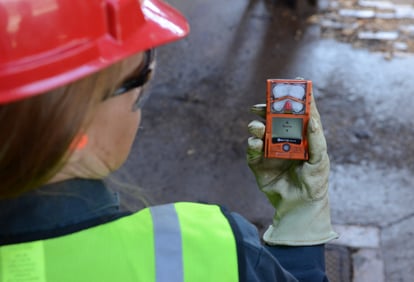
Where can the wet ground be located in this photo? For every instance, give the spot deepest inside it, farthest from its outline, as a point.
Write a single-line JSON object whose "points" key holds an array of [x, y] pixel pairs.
{"points": [[191, 146]]}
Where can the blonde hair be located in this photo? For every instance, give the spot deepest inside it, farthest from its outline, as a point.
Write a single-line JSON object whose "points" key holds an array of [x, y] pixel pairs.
{"points": [[36, 133]]}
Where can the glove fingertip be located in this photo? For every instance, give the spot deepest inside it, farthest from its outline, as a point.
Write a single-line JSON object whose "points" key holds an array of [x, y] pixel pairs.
{"points": [[259, 109], [256, 128], [255, 144], [254, 151]]}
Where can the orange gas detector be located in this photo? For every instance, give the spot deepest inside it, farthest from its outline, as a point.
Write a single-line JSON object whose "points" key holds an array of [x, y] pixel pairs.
{"points": [[287, 116]]}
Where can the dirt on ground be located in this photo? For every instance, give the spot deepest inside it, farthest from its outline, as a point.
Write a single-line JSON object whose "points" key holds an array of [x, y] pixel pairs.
{"points": [[384, 26]]}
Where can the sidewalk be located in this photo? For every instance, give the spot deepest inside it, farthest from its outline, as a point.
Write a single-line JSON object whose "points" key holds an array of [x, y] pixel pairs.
{"points": [[372, 201]]}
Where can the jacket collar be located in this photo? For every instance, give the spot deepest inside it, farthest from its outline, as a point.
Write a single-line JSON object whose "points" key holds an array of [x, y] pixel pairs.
{"points": [[56, 206]]}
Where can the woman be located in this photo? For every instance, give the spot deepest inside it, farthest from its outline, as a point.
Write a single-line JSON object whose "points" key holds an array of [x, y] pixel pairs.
{"points": [[71, 90]]}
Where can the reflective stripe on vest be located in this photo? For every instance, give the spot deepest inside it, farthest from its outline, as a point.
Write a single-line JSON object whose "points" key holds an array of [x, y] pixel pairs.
{"points": [[177, 242]]}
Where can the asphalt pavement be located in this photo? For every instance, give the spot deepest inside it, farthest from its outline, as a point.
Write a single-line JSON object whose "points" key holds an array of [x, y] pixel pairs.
{"points": [[191, 146]]}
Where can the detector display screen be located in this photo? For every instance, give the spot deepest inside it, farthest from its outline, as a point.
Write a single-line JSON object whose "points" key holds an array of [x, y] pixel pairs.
{"points": [[287, 130]]}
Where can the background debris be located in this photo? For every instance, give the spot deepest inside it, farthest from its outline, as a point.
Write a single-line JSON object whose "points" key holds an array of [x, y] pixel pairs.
{"points": [[382, 26]]}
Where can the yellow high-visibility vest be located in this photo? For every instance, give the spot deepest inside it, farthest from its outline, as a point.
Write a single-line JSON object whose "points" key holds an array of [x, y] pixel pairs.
{"points": [[175, 242]]}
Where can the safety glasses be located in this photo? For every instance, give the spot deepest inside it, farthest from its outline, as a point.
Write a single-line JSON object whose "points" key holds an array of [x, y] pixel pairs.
{"points": [[141, 78]]}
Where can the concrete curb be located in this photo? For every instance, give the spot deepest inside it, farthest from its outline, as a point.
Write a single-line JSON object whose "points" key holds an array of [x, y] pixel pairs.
{"points": [[364, 244]]}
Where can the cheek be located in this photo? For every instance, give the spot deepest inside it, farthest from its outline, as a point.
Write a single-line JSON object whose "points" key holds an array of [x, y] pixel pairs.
{"points": [[113, 131], [122, 138], [127, 131]]}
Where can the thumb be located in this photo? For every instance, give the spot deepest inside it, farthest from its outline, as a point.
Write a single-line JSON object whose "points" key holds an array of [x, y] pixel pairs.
{"points": [[316, 138]]}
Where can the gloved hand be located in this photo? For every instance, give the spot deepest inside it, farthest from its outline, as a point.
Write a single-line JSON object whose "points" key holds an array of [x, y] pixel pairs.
{"points": [[297, 189]]}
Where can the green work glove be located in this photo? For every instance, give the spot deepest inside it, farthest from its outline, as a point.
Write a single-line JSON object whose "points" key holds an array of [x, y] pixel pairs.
{"points": [[297, 189]]}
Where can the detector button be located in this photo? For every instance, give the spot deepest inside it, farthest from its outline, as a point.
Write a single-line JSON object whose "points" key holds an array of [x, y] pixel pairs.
{"points": [[286, 147]]}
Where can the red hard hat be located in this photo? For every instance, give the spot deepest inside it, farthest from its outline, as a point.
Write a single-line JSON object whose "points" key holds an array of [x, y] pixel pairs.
{"points": [[48, 43]]}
